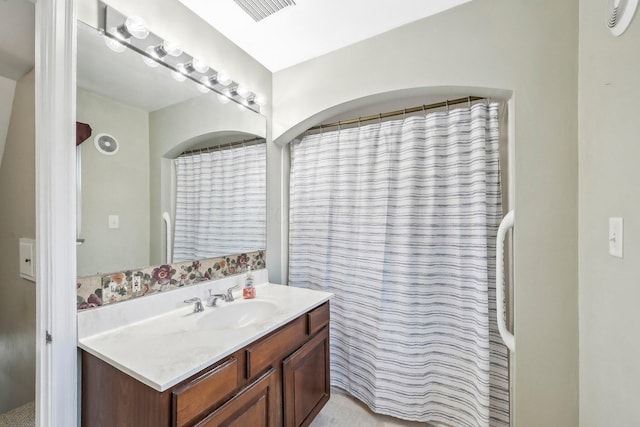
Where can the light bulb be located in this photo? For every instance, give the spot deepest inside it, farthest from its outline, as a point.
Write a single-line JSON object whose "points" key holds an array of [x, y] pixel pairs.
{"points": [[179, 77], [223, 99], [224, 78], [199, 65], [243, 91], [172, 48], [179, 74], [149, 61], [260, 100], [114, 44], [153, 51], [136, 27], [203, 88]]}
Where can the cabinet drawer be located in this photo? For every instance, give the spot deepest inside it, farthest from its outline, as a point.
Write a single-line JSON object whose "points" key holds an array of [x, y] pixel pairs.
{"points": [[254, 406], [318, 318], [193, 399], [264, 353]]}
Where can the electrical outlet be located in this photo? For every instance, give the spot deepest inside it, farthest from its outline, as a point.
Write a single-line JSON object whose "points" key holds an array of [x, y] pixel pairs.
{"points": [[114, 221], [136, 283]]}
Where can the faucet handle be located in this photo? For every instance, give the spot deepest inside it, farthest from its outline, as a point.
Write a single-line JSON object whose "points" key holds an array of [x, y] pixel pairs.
{"points": [[229, 296], [197, 307]]}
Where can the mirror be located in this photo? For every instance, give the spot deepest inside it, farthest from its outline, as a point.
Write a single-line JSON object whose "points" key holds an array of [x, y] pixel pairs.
{"points": [[142, 120]]}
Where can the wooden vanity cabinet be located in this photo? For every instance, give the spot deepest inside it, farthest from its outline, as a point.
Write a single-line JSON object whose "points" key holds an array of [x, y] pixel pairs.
{"points": [[281, 379]]}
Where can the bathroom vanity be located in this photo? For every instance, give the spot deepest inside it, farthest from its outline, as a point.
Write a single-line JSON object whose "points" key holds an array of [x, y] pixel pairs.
{"points": [[210, 370]]}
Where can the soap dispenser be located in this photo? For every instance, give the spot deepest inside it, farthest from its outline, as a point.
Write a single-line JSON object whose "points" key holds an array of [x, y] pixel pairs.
{"points": [[249, 290]]}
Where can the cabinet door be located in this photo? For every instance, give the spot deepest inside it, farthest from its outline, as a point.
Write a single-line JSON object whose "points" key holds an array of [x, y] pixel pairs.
{"points": [[254, 406], [306, 381]]}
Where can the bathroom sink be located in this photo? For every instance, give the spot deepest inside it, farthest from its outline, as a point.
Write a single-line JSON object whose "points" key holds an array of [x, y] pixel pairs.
{"points": [[236, 315]]}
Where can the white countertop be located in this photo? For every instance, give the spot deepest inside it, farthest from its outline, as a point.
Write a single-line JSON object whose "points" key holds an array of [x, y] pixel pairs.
{"points": [[162, 351]]}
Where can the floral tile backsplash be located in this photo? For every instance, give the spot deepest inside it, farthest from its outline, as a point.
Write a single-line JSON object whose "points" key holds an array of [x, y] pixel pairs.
{"points": [[95, 291]]}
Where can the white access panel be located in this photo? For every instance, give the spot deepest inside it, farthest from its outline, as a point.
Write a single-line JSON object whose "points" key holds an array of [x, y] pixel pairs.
{"points": [[27, 259]]}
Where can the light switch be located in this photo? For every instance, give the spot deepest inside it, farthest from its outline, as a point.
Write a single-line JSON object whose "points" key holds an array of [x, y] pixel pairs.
{"points": [[114, 221], [27, 253], [616, 233]]}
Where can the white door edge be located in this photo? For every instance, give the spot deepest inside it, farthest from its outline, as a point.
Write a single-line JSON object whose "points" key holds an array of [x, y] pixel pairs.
{"points": [[56, 362]]}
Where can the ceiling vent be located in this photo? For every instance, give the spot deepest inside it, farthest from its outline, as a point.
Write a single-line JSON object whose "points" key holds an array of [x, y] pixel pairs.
{"points": [[260, 9]]}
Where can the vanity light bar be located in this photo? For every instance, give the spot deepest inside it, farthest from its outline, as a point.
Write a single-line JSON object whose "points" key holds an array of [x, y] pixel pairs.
{"points": [[154, 49]]}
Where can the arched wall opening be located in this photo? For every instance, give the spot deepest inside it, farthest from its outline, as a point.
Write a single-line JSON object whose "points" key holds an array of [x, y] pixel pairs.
{"points": [[392, 101]]}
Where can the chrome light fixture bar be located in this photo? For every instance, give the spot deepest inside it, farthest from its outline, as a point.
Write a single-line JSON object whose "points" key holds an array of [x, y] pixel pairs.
{"points": [[155, 50]]}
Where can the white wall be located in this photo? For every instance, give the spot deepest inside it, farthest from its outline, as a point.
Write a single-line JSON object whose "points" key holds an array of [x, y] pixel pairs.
{"points": [[529, 48], [17, 219], [114, 185], [609, 182]]}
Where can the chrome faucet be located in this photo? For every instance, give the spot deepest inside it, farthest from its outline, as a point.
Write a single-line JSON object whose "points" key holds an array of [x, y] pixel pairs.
{"points": [[226, 297], [213, 298], [197, 307]]}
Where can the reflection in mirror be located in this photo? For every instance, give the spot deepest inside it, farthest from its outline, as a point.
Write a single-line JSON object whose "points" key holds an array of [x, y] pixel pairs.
{"points": [[220, 200], [150, 119]]}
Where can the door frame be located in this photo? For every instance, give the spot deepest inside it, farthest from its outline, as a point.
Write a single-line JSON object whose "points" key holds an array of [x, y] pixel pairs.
{"points": [[55, 69]]}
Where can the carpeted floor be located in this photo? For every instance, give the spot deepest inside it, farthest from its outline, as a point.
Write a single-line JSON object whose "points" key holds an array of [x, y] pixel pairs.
{"points": [[22, 416], [343, 410]]}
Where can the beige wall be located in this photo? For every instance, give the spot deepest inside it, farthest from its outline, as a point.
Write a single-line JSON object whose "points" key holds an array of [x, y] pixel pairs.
{"points": [[609, 187], [7, 90], [17, 213], [529, 48], [114, 185]]}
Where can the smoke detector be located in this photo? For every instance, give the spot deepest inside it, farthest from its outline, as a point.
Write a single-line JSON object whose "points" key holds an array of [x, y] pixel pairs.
{"points": [[619, 15], [106, 144], [260, 9]]}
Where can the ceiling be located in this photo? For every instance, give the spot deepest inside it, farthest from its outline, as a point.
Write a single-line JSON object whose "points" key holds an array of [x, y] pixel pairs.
{"points": [[293, 35], [311, 28]]}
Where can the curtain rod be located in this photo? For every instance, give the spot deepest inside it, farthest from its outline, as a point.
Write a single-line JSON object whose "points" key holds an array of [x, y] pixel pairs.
{"points": [[468, 99], [224, 146]]}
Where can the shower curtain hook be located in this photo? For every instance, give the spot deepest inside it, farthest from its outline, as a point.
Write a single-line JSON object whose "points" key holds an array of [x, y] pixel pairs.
{"points": [[359, 122], [380, 118], [446, 103], [424, 110], [469, 101], [404, 114]]}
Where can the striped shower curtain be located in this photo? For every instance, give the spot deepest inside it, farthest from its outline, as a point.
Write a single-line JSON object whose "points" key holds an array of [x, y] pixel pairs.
{"points": [[398, 220], [220, 203]]}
